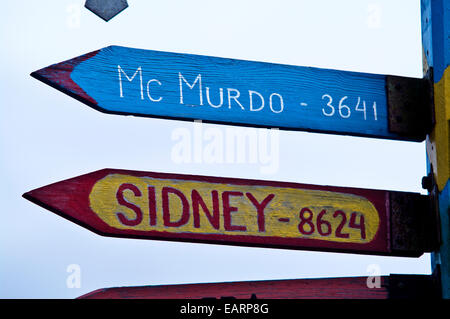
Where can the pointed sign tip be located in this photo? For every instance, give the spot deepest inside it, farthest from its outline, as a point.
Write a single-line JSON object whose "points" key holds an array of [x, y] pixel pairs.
{"points": [[59, 77], [68, 199], [29, 196]]}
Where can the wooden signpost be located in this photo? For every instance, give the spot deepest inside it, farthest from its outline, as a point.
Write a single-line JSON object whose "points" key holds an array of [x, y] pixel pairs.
{"points": [[230, 211], [120, 80], [436, 48], [389, 287], [201, 209]]}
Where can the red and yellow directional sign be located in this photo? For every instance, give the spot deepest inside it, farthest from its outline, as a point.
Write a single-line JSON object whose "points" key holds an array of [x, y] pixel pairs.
{"points": [[234, 211]]}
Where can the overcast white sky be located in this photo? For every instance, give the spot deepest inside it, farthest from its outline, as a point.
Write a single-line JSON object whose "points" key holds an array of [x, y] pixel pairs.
{"points": [[46, 136]]}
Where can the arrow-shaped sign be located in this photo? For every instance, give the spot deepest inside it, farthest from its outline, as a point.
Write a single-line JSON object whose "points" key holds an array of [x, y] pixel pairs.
{"points": [[218, 210], [120, 80]]}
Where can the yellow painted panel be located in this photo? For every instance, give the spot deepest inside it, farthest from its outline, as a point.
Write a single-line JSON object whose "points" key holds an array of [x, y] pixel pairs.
{"points": [[356, 220]]}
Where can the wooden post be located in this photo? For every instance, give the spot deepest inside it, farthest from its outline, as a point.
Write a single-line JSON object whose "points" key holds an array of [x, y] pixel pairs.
{"points": [[436, 50]]}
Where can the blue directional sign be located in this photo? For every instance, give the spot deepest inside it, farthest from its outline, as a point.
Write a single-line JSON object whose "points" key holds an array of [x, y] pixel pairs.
{"points": [[129, 81]]}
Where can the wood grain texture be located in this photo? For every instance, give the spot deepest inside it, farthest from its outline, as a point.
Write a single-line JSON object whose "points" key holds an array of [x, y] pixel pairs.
{"points": [[437, 23], [120, 80], [232, 211], [390, 287]]}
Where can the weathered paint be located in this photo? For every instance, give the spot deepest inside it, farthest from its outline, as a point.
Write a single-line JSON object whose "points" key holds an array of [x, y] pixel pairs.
{"points": [[332, 288], [128, 81], [438, 145], [234, 211], [444, 250], [436, 43], [384, 287], [106, 9]]}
